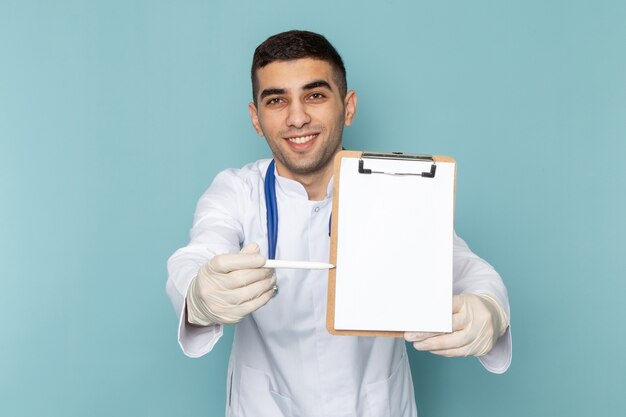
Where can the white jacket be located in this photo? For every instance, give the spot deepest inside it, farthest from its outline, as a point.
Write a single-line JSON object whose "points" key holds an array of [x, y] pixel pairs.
{"points": [[283, 361]]}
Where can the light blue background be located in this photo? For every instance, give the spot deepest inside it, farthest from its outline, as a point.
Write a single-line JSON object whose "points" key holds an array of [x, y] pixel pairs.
{"points": [[116, 115]]}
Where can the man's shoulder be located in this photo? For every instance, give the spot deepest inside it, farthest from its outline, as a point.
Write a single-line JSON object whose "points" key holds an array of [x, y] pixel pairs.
{"points": [[248, 175]]}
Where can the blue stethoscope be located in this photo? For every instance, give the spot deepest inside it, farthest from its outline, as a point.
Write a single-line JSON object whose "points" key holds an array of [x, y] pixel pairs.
{"points": [[272, 211]]}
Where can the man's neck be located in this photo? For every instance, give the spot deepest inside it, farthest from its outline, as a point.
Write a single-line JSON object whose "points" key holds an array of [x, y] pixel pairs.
{"points": [[316, 185]]}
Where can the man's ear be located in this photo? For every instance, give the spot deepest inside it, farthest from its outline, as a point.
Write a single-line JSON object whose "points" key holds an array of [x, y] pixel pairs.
{"points": [[349, 104], [254, 117]]}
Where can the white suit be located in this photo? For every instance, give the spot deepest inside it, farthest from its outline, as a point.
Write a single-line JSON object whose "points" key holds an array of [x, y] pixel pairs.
{"points": [[283, 361]]}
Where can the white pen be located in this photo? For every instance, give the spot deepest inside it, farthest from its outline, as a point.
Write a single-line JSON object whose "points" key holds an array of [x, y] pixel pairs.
{"points": [[274, 263]]}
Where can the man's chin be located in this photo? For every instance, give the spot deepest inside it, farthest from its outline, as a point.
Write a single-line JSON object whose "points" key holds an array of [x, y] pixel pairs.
{"points": [[304, 164], [303, 167]]}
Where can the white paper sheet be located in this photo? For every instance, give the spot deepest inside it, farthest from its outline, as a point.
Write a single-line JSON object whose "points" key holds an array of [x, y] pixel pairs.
{"points": [[394, 247]]}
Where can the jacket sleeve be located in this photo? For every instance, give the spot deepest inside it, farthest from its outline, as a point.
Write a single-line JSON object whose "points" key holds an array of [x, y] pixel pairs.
{"points": [[473, 275], [216, 230]]}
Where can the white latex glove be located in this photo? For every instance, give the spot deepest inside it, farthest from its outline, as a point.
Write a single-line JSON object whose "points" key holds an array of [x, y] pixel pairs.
{"points": [[477, 323], [229, 287]]}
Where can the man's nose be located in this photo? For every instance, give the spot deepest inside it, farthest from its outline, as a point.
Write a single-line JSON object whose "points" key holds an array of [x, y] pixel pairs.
{"points": [[298, 115]]}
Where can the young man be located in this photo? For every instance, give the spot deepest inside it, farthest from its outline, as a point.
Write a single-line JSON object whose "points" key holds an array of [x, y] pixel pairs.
{"points": [[283, 362]]}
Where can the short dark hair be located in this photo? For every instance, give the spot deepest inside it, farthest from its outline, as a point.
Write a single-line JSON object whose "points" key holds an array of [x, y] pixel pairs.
{"points": [[297, 44]]}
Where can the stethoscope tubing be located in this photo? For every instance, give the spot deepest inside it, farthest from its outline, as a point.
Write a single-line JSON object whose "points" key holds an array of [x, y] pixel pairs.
{"points": [[271, 207], [272, 211]]}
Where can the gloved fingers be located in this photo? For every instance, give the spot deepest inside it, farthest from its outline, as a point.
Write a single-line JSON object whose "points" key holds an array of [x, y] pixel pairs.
{"points": [[224, 308], [254, 290], [445, 341], [245, 277], [256, 303], [460, 320], [229, 262], [452, 353], [458, 301], [230, 317], [419, 336], [478, 347], [250, 248]]}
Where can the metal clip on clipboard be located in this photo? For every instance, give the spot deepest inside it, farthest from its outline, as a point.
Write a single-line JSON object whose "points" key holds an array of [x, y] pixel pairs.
{"points": [[397, 156]]}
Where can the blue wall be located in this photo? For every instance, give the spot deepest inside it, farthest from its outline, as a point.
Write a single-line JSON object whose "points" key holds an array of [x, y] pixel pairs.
{"points": [[116, 115]]}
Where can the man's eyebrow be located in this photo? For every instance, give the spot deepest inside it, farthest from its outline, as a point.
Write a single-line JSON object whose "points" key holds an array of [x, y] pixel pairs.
{"points": [[271, 92], [317, 84]]}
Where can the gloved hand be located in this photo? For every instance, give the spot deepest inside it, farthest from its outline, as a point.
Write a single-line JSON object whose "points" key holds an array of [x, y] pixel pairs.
{"points": [[477, 323], [229, 287]]}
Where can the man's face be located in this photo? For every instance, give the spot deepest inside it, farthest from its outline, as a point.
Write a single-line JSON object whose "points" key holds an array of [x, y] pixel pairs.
{"points": [[301, 114]]}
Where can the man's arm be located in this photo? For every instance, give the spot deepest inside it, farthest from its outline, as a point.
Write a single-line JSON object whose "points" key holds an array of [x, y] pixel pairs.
{"points": [[229, 287], [216, 230], [480, 315]]}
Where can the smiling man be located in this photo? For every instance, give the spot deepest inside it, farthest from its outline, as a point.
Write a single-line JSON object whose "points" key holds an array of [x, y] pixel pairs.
{"points": [[301, 109], [283, 362]]}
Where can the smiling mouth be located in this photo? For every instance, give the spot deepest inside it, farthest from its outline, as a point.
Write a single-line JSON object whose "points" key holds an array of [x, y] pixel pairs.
{"points": [[302, 139]]}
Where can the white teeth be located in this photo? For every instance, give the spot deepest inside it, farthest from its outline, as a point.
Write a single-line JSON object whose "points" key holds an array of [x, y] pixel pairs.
{"points": [[301, 139]]}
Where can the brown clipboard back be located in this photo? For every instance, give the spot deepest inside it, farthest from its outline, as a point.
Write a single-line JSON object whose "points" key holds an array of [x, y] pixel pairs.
{"points": [[332, 274]]}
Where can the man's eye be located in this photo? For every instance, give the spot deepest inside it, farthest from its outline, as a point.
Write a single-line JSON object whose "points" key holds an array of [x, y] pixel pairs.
{"points": [[273, 101], [316, 96]]}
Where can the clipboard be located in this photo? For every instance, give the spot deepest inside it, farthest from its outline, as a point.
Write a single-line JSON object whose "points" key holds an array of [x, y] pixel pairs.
{"points": [[391, 235]]}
